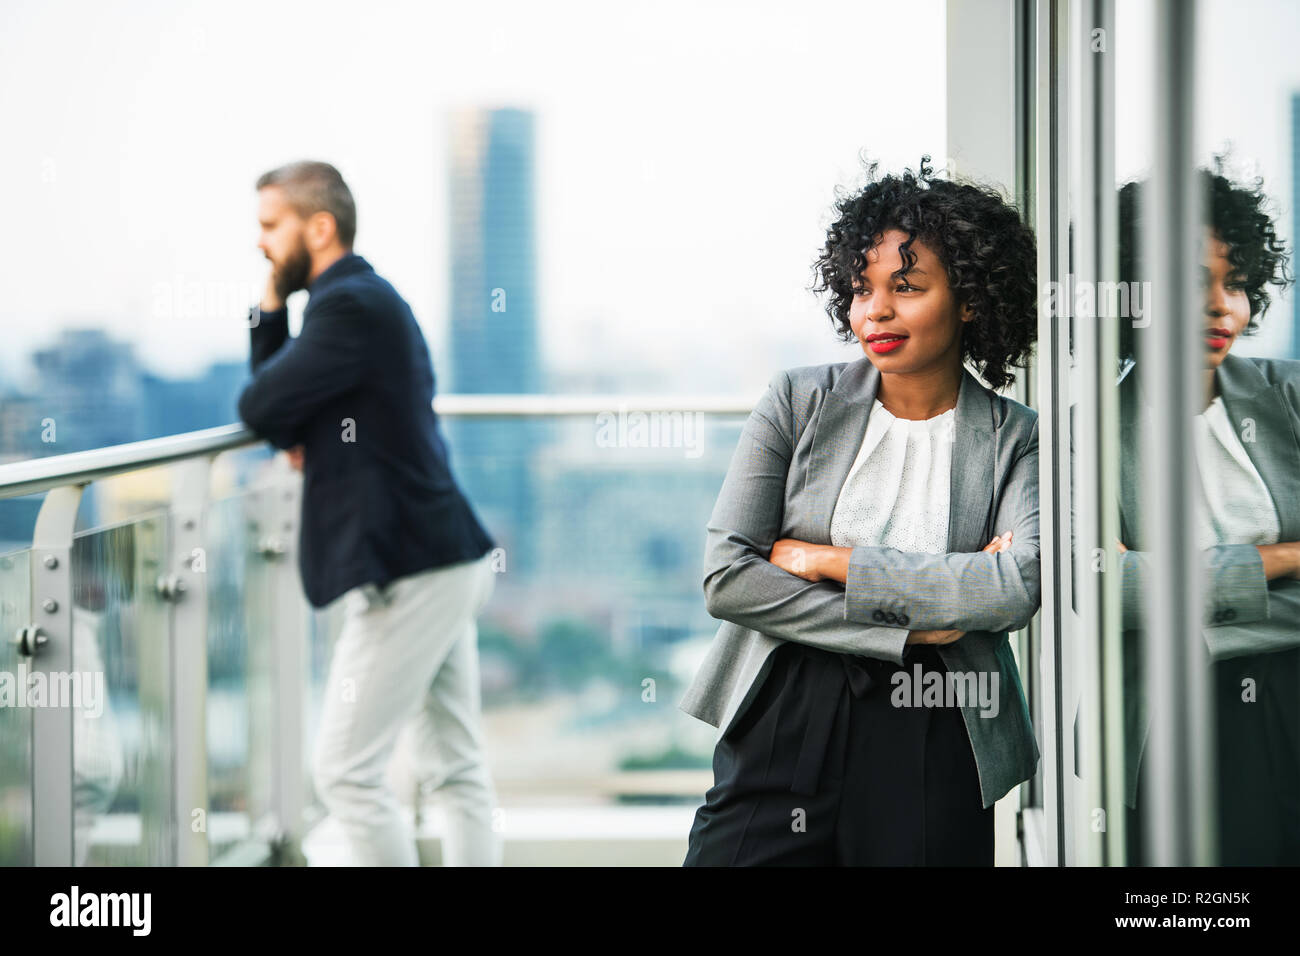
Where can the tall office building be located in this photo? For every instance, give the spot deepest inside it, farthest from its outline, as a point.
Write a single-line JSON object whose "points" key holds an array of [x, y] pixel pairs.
{"points": [[90, 394], [493, 341]]}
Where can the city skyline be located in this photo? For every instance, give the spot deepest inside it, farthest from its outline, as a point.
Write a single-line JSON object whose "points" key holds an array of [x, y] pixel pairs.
{"points": [[677, 113]]}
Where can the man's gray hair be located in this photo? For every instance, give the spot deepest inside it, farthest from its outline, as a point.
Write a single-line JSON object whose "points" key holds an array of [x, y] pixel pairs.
{"points": [[312, 187]]}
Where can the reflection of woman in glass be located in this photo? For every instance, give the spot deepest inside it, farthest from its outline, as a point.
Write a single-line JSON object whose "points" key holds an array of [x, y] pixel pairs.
{"points": [[1248, 525], [844, 554]]}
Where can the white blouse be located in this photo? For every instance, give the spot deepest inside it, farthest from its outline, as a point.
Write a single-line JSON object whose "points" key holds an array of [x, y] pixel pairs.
{"points": [[896, 494], [1235, 506]]}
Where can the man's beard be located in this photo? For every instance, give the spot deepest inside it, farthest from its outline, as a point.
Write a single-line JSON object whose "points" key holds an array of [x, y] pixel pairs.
{"points": [[292, 275]]}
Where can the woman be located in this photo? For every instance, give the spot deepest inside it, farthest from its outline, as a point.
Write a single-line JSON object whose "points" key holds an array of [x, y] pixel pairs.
{"points": [[1248, 528], [871, 708]]}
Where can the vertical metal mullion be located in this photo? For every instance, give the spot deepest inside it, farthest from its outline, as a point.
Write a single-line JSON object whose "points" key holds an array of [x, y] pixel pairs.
{"points": [[1107, 266], [1180, 804], [1096, 461], [1024, 34], [1086, 642], [1051, 228]]}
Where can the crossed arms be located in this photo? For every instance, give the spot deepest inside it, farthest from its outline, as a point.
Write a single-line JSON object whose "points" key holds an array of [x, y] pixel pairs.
{"points": [[981, 591]]}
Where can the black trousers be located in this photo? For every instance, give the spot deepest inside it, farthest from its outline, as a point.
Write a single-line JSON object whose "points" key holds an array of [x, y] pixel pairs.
{"points": [[1257, 745], [822, 770]]}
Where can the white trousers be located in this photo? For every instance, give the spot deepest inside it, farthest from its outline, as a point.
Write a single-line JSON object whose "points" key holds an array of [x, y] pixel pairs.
{"points": [[407, 661]]}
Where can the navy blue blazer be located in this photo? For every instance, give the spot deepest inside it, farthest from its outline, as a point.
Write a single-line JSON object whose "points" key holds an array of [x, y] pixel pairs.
{"points": [[355, 389]]}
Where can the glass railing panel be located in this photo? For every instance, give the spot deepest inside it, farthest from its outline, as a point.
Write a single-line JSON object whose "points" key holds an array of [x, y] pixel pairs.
{"points": [[598, 621], [15, 720], [228, 705], [121, 743], [323, 631], [241, 638]]}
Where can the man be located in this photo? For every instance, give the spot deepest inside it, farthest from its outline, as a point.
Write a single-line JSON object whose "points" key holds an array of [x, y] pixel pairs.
{"points": [[383, 524]]}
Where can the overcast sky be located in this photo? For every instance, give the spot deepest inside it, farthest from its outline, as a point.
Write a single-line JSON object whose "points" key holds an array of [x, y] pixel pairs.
{"points": [[687, 157]]}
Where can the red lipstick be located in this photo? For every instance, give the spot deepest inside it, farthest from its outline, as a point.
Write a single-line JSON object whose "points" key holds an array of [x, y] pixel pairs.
{"points": [[880, 342]]}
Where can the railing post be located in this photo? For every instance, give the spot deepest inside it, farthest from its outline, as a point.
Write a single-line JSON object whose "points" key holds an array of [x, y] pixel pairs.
{"points": [[259, 633], [49, 644], [288, 617], [275, 626], [153, 646], [186, 586]]}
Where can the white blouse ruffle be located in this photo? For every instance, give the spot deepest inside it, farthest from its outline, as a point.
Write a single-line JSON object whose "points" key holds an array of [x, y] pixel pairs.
{"points": [[896, 494]]}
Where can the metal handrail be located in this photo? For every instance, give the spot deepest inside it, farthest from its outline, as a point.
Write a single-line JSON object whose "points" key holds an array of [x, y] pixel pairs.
{"points": [[176, 667], [472, 406], [82, 467]]}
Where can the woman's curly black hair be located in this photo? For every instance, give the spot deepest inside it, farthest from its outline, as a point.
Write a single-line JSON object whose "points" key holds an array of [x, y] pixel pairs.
{"points": [[1238, 214], [987, 250]]}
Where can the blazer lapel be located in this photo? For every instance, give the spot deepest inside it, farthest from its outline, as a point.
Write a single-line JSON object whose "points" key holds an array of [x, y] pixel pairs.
{"points": [[974, 468], [1248, 397], [842, 425], [1275, 450]]}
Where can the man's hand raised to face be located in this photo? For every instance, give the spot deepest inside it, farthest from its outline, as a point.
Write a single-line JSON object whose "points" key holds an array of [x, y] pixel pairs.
{"points": [[272, 299]]}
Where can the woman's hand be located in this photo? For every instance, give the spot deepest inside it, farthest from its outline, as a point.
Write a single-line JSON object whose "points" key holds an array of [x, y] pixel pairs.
{"points": [[934, 637], [1281, 560], [801, 558], [1000, 543]]}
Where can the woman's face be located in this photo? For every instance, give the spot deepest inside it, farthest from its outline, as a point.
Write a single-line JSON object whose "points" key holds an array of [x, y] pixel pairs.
{"points": [[906, 325], [1227, 310]]}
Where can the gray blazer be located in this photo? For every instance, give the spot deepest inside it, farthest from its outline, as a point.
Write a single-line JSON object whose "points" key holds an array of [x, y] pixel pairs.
{"points": [[1243, 613], [794, 455]]}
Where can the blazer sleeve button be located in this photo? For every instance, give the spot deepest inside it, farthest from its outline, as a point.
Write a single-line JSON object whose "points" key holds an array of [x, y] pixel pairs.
{"points": [[1229, 614], [877, 615], [891, 617], [903, 619]]}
